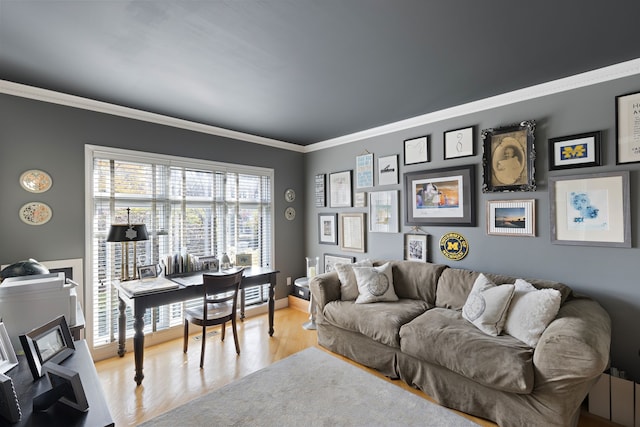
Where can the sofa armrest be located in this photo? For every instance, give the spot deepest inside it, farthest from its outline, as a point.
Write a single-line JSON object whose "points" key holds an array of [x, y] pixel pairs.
{"points": [[573, 351], [325, 288]]}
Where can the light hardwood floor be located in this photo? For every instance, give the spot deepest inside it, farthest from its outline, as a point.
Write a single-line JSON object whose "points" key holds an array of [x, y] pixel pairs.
{"points": [[173, 378]]}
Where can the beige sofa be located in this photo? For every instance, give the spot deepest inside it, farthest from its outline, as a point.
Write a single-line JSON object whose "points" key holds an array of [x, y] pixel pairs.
{"points": [[423, 339]]}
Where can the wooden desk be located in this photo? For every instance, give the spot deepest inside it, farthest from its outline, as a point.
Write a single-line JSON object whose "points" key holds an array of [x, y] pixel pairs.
{"points": [[190, 288], [60, 414]]}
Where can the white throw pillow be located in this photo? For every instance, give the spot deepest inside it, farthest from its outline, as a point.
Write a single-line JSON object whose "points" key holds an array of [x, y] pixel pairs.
{"points": [[348, 284], [375, 284], [487, 304], [531, 311]]}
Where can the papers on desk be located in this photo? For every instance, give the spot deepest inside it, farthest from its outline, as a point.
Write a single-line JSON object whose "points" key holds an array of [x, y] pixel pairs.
{"points": [[147, 286]]}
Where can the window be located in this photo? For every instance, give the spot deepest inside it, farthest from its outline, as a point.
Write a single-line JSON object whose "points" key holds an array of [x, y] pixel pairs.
{"points": [[191, 208]]}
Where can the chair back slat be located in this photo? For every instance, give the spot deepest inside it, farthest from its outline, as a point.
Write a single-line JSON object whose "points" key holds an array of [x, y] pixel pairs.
{"points": [[216, 284]]}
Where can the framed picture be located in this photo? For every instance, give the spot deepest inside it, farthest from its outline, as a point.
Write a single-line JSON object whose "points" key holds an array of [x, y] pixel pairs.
{"points": [[331, 260], [50, 342], [320, 195], [352, 232], [591, 210], [340, 187], [61, 377], [459, 143], [575, 151], [416, 150], [440, 196], [147, 271], [9, 404], [364, 170], [511, 217], [209, 263], [8, 357], [627, 128], [388, 170], [328, 228], [415, 247], [244, 260], [508, 158], [360, 200], [383, 211]]}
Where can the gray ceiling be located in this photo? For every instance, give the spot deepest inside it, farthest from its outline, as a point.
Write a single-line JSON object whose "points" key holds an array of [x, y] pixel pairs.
{"points": [[305, 71]]}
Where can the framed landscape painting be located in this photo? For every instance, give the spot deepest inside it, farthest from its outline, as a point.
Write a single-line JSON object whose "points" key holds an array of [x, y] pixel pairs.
{"points": [[511, 218]]}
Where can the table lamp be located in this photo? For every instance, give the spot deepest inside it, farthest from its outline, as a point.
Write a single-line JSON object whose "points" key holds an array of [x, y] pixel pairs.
{"points": [[126, 233]]}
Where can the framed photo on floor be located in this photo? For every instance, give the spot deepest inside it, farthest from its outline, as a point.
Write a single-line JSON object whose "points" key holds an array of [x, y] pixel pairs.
{"points": [[440, 196], [508, 158], [591, 210], [511, 218], [331, 260]]}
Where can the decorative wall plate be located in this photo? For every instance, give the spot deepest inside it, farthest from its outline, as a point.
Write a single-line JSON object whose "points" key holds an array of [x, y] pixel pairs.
{"points": [[35, 213], [290, 213], [36, 181], [454, 246], [290, 195]]}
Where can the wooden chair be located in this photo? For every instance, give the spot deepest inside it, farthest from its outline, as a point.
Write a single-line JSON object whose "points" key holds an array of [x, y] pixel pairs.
{"points": [[219, 307]]}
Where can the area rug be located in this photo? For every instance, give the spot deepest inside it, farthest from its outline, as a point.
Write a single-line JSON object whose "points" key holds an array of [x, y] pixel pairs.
{"points": [[310, 388]]}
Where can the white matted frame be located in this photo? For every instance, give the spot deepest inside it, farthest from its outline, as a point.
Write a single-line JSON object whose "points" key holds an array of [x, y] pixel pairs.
{"points": [[591, 210], [627, 128], [415, 247], [511, 218], [340, 189], [416, 150], [328, 228], [8, 357], [351, 228], [383, 211], [388, 170], [459, 143]]}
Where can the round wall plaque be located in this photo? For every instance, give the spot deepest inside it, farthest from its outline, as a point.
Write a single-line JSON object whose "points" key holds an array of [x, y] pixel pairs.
{"points": [[454, 246], [290, 195], [35, 213], [290, 213], [35, 181]]}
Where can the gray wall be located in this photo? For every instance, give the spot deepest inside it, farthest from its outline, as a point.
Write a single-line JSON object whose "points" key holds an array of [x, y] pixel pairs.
{"points": [[39, 135], [607, 274]]}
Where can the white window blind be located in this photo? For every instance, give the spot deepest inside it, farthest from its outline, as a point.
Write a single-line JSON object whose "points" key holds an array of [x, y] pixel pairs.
{"points": [[188, 206]]}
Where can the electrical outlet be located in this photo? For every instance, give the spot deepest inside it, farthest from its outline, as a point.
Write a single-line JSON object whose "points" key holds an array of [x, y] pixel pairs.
{"points": [[289, 281]]}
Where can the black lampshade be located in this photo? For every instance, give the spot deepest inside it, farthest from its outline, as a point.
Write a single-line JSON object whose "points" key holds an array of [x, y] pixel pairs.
{"points": [[127, 233]]}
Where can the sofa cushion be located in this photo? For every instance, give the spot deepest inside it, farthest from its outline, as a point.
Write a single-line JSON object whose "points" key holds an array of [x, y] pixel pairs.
{"points": [[530, 311], [416, 280], [374, 284], [487, 305], [348, 284], [455, 284], [380, 321], [442, 337]]}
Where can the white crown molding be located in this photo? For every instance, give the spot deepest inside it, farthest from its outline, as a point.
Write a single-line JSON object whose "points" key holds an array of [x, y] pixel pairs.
{"points": [[613, 72], [45, 95]]}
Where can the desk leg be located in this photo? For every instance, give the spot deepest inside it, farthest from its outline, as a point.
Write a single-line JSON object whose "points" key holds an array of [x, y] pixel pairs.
{"points": [[138, 346], [272, 303], [122, 326]]}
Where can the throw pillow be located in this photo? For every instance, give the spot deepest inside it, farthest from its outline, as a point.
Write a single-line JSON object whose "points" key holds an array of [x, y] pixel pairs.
{"points": [[348, 284], [375, 284], [531, 311], [487, 304]]}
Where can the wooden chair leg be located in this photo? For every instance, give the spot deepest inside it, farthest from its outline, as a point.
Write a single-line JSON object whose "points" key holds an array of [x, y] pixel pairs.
{"points": [[235, 334], [222, 332], [204, 336], [186, 336]]}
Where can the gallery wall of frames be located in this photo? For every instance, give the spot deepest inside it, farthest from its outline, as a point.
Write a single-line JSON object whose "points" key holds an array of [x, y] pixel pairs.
{"points": [[542, 188]]}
